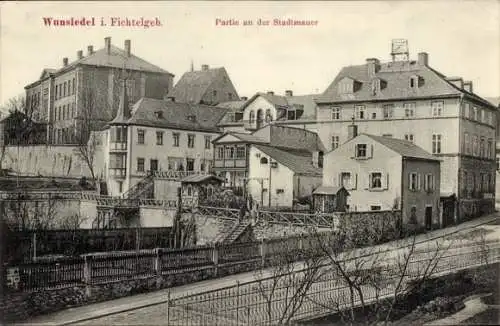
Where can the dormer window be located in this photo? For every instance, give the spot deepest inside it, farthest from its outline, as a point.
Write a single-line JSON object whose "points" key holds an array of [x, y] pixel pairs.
{"points": [[415, 82], [263, 160], [291, 115], [192, 118], [159, 114], [238, 116], [346, 86]]}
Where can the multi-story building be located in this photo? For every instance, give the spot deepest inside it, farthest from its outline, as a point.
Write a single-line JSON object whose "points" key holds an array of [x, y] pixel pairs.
{"points": [[158, 135], [409, 100], [88, 89], [299, 151], [383, 173], [209, 86]]}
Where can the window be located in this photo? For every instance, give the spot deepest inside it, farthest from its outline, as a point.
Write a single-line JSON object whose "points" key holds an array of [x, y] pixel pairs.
{"points": [[482, 116], [375, 207], [263, 160], [120, 186], [466, 143], [140, 136], [230, 96], [230, 152], [360, 150], [336, 113], [208, 142], [189, 164], [374, 115], [409, 137], [74, 86], [220, 152], [251, 118], [409, 110], [429, 182], [190, 141], [413, 82], [359, 111], [474, 113], [159, 138], [280, 191], [482, 147], [436, 144], [153, 165], [64, 88], [214, 93], [69, 87], [413, 182], [73, 112], [491, 150], [140, 164], [57, 89], [388, 111], [176, 137], [291, 115], [345, 180], [475, 145], [466, 108], [60, 90], [240, 152], [335, 142], [437, 108], [269, 117], [376, 180]]}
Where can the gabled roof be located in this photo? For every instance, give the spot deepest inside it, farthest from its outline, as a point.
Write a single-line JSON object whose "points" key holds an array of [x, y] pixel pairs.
{"points": [[47, 72], [299, 161], [194, 84], [289, 137], [396, 76], [403, 147], [305, 103], [168, 114], [246, 138], [232, 106]]}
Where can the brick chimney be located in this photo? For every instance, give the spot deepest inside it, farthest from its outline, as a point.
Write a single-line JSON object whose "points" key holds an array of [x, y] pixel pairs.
{"points": [[79, 54], [65, 62], [468, 86], [423, 58], [107, 44], [127, 47], [288, 93], [270, 93], [204, 67], [90, 49], [373, 65]]}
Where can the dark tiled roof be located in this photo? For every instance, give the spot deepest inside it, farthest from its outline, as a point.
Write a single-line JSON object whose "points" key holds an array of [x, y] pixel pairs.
{"points": [[395, 77], [233, 106], [403, 147], [116, 59], [168, 114], [289, 137], [194, 84], [299, 162], [305, 103], [324, 190]]}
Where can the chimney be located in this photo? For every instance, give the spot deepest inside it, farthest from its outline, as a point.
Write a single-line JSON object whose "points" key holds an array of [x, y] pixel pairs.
{"points": [[457, 81], [127, 47], [107, 44], [373, 66], [90, 49], [270, 93], [288, 93], [79, 54], [204, 67], [244, 98], [352, 131], [65, 62], [423, 58], [468, 86]]}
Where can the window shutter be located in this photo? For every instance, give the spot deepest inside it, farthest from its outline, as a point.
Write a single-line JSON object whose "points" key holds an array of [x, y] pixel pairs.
{"points": [[355, 181], [371, 150], [369, 181], [387, 181]]}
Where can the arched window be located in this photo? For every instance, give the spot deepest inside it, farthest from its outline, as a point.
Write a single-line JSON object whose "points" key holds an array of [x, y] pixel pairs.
{"points": [[320, 159], [252, 117], [263, 160], [269, 116], [260, 118]]}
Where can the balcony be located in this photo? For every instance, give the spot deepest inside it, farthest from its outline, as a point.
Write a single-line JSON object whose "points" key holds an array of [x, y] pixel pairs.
{"points": [[231, 163], [118, 147]]}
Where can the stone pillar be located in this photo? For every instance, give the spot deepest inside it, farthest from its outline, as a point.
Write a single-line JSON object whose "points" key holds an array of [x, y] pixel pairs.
{"points": [[87, 275], [215, 258], [158, 264]]}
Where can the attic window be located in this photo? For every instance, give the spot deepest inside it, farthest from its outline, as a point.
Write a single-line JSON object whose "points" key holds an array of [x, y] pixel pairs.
{"points": [[291, 115], [238, 116], [159, 115], [192, 118], [263, 160], [415, 82]]}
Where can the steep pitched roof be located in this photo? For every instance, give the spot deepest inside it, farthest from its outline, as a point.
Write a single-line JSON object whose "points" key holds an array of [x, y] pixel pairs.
{"points": [[229, 118], [194, 84], [395, 77], [298, 161], [168, 114], [403, 147], [289, 137], [304, 102]]}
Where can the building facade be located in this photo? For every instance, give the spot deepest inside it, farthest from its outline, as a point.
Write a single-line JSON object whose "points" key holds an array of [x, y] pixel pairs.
{"points": [[382, 173], [88, 89], [158, 135], [407, 99]]}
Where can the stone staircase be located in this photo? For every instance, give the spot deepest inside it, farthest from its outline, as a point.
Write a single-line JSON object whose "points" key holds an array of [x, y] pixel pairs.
{"points": [[144, 189], [234, 232]]}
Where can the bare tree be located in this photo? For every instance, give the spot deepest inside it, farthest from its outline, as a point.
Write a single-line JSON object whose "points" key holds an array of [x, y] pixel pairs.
{"points": [[23, 212], [284, 286]]}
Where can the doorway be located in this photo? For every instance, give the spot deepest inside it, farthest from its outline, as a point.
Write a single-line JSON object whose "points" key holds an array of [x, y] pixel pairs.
{"points": [[428, 217]]}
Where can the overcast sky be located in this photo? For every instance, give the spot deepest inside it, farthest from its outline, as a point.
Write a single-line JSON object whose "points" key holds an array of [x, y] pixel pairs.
{"points": [[461, 37]]}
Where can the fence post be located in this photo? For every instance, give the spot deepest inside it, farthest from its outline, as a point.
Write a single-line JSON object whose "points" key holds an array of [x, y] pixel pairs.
{"points": [[158, 261], [263, 249], [237, 302], [87, 274], [215, 258], [34, 246]]}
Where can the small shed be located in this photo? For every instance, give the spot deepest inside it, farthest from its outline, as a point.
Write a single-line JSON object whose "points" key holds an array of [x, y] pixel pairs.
{"points": [[198, 187], [330, 199]]}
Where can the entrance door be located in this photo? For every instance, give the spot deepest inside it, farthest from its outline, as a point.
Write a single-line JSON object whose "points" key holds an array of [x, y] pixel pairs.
{"points": [[428, 217], [448, 212]]}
